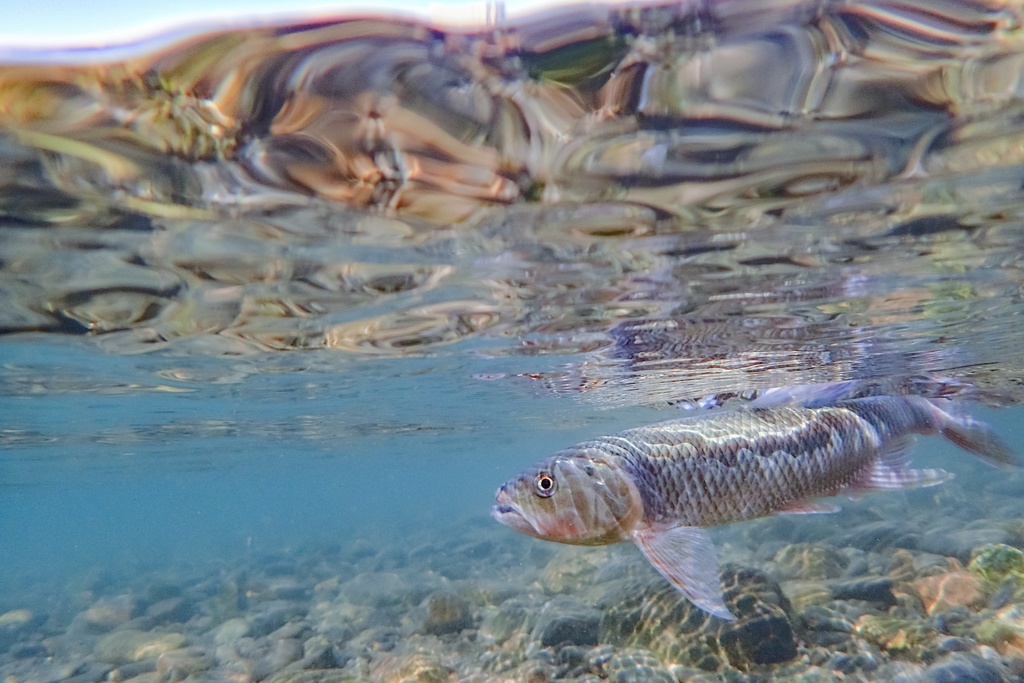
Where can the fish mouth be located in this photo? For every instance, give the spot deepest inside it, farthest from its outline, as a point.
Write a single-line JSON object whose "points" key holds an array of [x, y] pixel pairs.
{"points": [[506, 512]]}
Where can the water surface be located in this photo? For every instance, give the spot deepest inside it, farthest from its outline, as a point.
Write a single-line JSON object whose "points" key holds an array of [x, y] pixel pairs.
{"points": [[286, 303]]}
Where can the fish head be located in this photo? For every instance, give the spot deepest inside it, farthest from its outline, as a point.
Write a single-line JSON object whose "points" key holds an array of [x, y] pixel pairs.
{"points": [[579, 496]]}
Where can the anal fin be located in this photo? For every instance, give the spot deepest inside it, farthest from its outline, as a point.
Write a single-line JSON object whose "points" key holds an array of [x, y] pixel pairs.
{"points": [[686, 557], [891, 471]]}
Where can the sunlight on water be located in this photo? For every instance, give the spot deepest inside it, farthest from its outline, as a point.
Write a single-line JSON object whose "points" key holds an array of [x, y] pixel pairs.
{"points": [[282, 305]]}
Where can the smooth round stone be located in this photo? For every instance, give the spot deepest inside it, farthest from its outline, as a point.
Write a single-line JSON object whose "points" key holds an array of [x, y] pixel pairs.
{"points": [[964, 669], [230, 631], [318, 653], [315, 676], [170, 610], [961, 543], [814, 561], [895, 635], [128, 645], [1004, 631], [108, 613], [177, 664], [570, 629], [651, 614], [13, 625], [637, 666], [447, 613], [571, 569], [997, 563], [411, 668], [953, 589], [502, 623], [869, 590]]}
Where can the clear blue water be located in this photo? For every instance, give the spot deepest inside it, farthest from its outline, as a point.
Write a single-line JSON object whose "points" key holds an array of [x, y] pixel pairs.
{"points": [[115, 466]]}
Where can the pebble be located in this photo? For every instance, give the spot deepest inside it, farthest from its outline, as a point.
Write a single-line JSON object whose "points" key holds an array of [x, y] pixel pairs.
{"points": [[107, 614], [570, 629], [814, 561], [1004, 630], [230, 631], [953, 589], [176, 665], [447, 613], [963, 669], [127, 645], [586, 615], [878, 591]]}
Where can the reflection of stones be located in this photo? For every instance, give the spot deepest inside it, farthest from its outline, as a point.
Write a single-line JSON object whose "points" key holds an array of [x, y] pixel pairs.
{"points": [[656, 617]]}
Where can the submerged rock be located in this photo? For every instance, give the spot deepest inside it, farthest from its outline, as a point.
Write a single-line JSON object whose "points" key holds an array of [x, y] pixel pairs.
{"points": [[811, 561], [314, 676], [637, 666], [505, 621], [230, 631], [964, 669], [654, 616], [129, 645], [411, 668], [1000, 565], [570, 629], [895, 635], [447, 613], [953, 589], [176, 665], [1004, 630], [107, 613], [570, 569]]}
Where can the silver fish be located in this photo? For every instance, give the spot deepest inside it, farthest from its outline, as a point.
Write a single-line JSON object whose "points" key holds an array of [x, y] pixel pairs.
{"points": [[660, 485]]}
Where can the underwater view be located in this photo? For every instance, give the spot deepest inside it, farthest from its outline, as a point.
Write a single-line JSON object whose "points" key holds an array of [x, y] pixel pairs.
{"points": [[676, 342]]}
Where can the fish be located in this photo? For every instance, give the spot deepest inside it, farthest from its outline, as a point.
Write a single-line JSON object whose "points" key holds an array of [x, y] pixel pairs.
{"points": [[661, 486]]}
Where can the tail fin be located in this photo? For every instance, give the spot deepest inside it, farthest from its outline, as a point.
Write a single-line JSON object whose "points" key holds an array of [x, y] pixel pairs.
{"points": [[976, 437]]}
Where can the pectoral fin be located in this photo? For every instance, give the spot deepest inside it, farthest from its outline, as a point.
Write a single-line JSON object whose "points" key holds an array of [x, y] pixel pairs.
{"points": [[685, 556]]}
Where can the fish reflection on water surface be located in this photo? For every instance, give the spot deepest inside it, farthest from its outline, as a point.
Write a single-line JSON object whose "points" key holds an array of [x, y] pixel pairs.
{"points": [[660, 485]]}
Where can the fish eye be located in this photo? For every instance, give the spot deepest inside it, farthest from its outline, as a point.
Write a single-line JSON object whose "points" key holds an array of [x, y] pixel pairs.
{"points": [[544, 485]]}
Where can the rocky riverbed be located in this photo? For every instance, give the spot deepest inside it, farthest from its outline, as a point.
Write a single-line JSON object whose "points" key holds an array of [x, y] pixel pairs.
{"points": [[883, 591]]}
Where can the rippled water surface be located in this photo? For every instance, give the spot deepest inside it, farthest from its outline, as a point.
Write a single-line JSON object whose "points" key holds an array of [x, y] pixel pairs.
{"points": [[282, 305]]}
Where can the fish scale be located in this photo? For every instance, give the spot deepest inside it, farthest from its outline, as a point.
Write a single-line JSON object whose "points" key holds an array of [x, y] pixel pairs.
{"points": [[802, 454], [661, 485]]}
